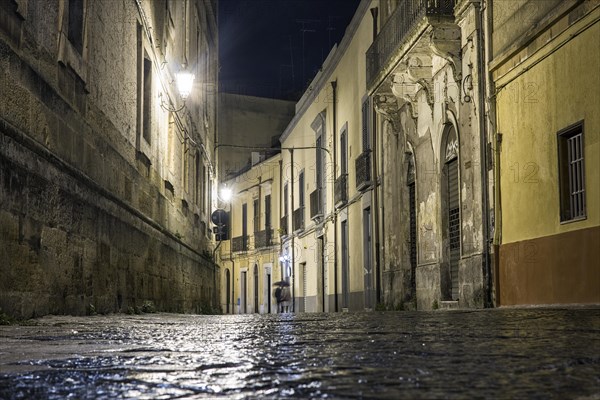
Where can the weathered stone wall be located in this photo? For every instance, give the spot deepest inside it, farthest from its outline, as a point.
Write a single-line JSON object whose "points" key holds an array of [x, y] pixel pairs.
{"points": [[422, 107], [85, 225]]}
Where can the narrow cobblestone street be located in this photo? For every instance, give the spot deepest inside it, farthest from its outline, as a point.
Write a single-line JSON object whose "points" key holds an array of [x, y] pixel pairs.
{"points": [[500, 353]]}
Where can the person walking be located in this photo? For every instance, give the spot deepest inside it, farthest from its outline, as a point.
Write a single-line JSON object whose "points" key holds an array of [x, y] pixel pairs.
{"points": [[278, 296], [286, 296]]}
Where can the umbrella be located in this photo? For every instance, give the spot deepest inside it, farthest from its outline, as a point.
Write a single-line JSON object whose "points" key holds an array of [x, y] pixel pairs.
{"points": [[281, 283]]}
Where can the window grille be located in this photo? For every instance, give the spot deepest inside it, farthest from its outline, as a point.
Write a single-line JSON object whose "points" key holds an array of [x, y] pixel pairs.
{"points": [[571, 173]]}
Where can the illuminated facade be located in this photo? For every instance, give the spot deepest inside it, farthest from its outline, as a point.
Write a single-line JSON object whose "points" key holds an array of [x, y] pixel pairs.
{"points": [[249, 258], [106, 173]]}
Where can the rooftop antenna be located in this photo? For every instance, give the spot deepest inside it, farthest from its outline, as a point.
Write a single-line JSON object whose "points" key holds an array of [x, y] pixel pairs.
{"points": [[290, 66], [330, 28], [304, 29]]}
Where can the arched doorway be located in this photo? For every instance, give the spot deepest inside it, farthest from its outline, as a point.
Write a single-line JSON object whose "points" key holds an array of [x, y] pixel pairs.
{"points": [[255, 289], [451, 209]]}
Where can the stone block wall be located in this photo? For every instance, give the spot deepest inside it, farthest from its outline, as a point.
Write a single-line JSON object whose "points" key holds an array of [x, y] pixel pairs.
{"points": [[85, 224]]}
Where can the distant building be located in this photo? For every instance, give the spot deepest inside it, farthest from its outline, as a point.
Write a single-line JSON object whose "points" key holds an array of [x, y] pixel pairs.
{"points": [[106, 174], [545, 64], [249, 258], [248, 125]]}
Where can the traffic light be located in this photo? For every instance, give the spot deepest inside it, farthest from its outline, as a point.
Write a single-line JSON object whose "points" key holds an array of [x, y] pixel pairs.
{"points": [[220, 218]]}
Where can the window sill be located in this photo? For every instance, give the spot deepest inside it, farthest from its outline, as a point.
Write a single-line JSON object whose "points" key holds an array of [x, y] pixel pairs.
{"points": [[578, 219]]}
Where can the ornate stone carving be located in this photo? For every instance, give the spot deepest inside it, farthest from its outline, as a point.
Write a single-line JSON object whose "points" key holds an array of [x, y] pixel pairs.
{"points": [[444, 42], [412, 75], [386, 105], [451, 146]]}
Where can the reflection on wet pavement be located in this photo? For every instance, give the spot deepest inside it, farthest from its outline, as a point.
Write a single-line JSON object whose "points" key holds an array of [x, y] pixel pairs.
{"points": [[505, 353]]}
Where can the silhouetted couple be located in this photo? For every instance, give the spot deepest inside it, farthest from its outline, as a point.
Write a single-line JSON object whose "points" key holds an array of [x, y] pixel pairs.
{"points": [[283, 297]]}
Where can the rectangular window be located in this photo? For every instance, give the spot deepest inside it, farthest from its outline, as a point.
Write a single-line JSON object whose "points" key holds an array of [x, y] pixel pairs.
{"points": [[244, 223], [343, 153], [366, 132], [256, 213], [301, 189], [319, 164], [285, 200], [75, 24], [268, 211], [301, 195], [147, 99], [571, 169], [319, 177], [171, 143], [207, 191], [198, 181], [184, 166]]}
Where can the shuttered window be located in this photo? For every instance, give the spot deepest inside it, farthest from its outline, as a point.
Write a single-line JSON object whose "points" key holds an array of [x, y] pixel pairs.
{"points": [[366, 137]]}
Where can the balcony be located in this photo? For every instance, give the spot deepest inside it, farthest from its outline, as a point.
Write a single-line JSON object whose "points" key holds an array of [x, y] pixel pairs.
{"points": [[283, 226], [341, 190], [316, 204], [298, 219], [403, 22], [363, 170], [239, 244], [263, 239]]}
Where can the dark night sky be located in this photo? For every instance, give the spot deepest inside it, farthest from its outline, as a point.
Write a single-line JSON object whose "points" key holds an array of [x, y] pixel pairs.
{"points": [[261, 43]]}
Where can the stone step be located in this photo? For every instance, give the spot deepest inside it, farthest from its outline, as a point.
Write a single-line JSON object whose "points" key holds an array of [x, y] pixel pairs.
{"points": [[449, 305]]}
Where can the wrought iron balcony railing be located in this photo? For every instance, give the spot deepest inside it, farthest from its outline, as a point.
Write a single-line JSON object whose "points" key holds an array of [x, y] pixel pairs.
{"points": [[341, 190], [239, 243], [263, 238], [298, 219], [397, 28], [316, 204], [363, 170]]}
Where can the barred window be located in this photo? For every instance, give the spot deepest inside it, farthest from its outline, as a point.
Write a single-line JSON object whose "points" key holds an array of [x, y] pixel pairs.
{"points": [[571, 169]]}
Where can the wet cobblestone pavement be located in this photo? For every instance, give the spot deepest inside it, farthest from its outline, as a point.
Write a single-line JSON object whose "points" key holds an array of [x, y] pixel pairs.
{"points": [[505, 353]]}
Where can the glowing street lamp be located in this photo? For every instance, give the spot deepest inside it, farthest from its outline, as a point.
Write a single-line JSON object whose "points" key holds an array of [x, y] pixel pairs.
{"points": [[226, 194], [185, 82]]}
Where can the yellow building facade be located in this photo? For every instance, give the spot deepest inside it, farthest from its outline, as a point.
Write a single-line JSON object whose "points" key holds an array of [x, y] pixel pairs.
{"points": [[328, 247], [547, 168], [249, 257]]}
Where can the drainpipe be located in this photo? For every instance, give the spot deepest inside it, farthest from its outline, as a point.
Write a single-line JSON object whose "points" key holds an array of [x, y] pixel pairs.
{"points": [[280, 216], [293, 235], [497, 146], [374, 12], [335, 233], [482, 84], [374, 175]]}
